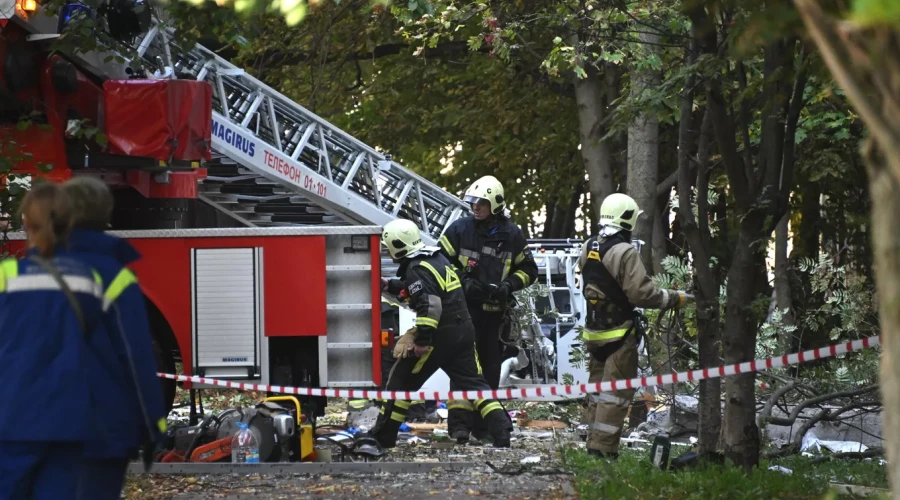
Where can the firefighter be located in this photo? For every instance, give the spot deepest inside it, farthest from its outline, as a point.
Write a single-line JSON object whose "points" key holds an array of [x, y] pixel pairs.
{"points": [[50, 304], [443, 338], [615, 283], [494, 261], [126, 393]]}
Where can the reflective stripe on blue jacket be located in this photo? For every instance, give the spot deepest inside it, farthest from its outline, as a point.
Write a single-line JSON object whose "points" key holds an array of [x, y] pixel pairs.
{"points": [[44, 374], [125, 390]]}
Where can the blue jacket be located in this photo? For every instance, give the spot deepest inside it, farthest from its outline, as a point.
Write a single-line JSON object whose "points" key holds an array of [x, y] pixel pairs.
{"points": [[125, 390], [44, 378]]}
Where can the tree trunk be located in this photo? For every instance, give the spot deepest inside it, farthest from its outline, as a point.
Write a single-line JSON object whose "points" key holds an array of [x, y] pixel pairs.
{"points": [[596, 154], [643, 156], [739, 344], [783, 273], [696, 233], [885, 191]]}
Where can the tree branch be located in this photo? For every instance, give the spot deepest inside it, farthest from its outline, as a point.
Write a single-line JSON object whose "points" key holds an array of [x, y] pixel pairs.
{"points": [[818, 399], [766, 414], [786, 179], [723, 129]]}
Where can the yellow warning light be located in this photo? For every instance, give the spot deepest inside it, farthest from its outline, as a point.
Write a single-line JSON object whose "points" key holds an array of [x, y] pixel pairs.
{"points": [[28, 5]]}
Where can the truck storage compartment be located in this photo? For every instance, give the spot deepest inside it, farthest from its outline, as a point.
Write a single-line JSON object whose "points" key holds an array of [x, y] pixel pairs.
{"points": [[226, 289], [165, 120]]}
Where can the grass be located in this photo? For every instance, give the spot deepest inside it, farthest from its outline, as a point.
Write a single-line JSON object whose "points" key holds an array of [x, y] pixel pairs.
{"points": [[632, 477]]}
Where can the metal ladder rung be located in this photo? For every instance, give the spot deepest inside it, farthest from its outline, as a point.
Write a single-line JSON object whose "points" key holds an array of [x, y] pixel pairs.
{"points": [[349, 345], [348, 307], [360, 267], [351, 383]]}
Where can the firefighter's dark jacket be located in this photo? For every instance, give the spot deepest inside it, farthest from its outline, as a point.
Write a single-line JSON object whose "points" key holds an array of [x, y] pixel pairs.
{"points": [[435, 293], [500, 253]]}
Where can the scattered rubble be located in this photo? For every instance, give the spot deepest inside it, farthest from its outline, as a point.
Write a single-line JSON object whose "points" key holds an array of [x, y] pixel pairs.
{"points": [[531, 468]]}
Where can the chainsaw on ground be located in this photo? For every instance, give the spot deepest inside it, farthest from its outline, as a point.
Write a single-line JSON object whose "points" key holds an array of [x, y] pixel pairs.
{"points": [[284, 434]]}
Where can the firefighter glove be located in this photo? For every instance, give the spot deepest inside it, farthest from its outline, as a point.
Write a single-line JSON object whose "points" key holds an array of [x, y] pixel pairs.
{"points": [[501, 293], [474, 289], [401, 348], [395, 286], [683, 300]]}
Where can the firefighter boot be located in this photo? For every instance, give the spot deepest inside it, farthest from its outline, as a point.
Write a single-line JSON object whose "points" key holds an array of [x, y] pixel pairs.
{"points": [[392, 416], [461, 436], [498, 422], [367, 447]]}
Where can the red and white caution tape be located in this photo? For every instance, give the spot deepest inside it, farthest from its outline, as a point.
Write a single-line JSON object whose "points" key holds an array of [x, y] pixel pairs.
{"points": [[552, 390]]}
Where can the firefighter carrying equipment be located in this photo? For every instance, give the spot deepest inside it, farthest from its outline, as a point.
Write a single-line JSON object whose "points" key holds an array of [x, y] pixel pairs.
{"points": [[494, 260], [401, 349], [488, 189], [443, 324], [615, 282]]}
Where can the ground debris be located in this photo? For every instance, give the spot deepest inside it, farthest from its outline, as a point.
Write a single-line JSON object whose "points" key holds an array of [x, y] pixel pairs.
{"points": [[498, 473]]}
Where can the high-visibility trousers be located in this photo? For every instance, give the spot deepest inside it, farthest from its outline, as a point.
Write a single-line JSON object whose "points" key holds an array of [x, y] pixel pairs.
{"points": [[452, 350], [492, 333]]}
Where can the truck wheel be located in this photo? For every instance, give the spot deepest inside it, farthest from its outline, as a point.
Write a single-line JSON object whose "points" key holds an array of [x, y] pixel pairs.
{"points": [[165, 363]]}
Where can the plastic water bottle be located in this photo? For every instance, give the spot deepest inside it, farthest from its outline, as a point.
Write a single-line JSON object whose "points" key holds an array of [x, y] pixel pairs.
{"points": [[244, 447]]}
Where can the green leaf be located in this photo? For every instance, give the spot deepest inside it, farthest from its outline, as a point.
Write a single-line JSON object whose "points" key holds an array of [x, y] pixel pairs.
{"points": [[876, 12]]}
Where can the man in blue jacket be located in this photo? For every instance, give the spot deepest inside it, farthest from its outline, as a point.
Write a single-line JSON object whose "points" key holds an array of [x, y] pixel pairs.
{"points": [[51, 303], [126, 393]]}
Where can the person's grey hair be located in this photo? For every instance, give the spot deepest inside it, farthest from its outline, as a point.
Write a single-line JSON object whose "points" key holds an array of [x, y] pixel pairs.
{"points": [[92, 203]]}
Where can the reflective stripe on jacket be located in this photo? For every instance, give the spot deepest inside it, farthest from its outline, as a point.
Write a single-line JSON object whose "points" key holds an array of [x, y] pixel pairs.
{"points": [[44, 375], [501, 254], [435, 293]]}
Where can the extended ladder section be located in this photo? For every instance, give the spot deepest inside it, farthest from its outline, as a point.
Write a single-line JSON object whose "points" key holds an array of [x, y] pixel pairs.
{"points": [[562, 311], [280, 164]]}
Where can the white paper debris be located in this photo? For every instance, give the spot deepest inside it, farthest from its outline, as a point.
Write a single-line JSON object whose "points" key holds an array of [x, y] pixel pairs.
{"points": [[813, 444], [530, 460], [778, 468]]}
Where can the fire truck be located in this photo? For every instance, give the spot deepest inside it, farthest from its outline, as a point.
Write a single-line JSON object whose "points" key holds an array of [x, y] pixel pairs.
{"points": [[258, 221]]}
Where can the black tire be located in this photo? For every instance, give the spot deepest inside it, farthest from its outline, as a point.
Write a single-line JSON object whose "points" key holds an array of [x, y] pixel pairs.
{"points": [[165, 363]]}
